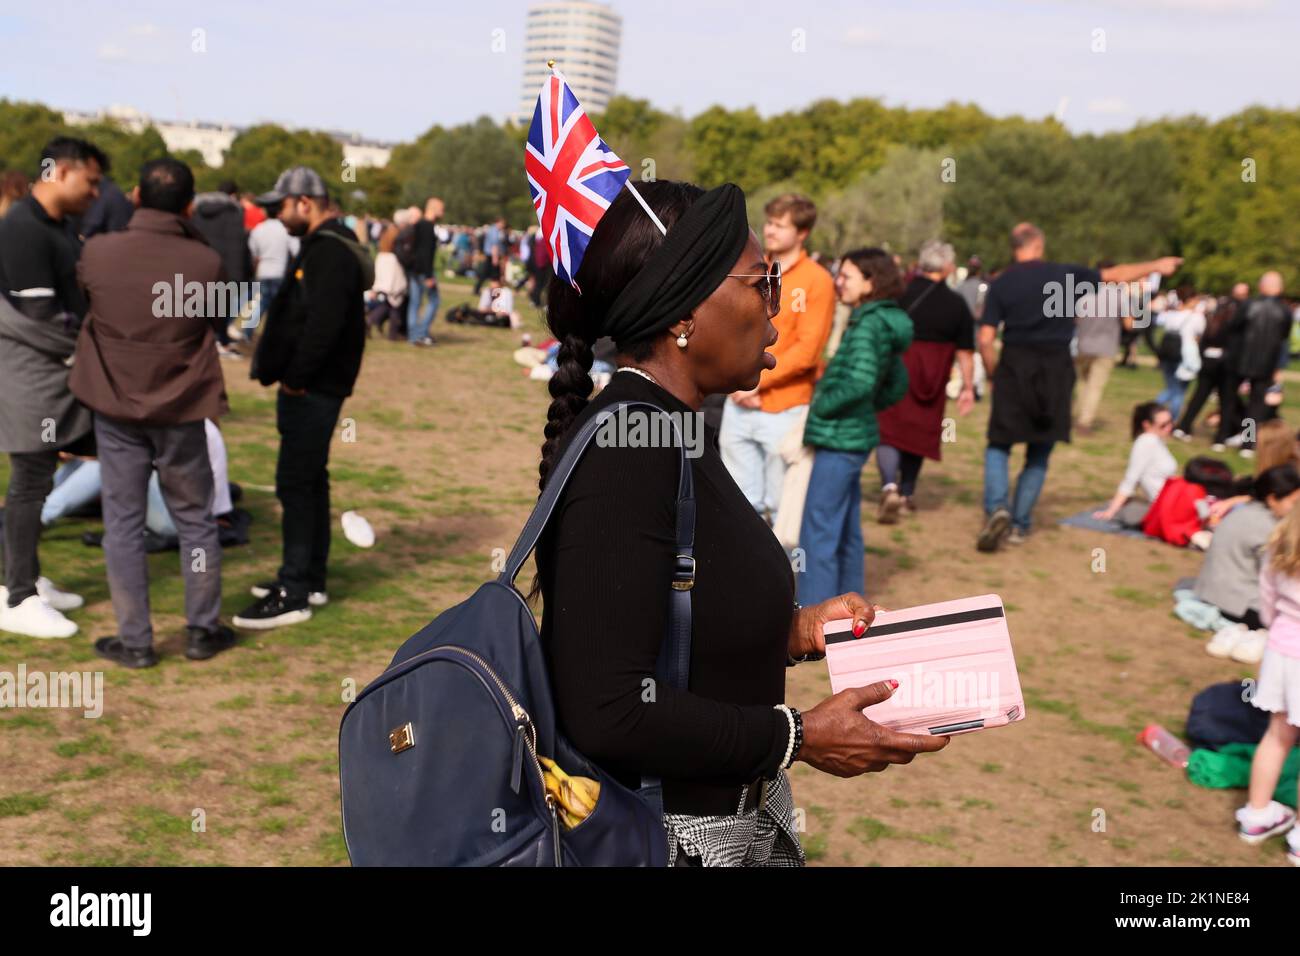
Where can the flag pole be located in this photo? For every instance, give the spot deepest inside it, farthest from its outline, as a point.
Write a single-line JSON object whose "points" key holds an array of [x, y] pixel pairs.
{"points": [[644, 205]]}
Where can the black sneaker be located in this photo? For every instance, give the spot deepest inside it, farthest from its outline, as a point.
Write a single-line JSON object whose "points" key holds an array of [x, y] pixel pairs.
{"points": [[994, 531], [204, 644], [113, 649], [314, 598], [274, 610]]}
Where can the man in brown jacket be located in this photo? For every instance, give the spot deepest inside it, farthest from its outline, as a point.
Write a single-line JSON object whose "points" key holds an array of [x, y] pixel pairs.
{"points": [[146, 364]]}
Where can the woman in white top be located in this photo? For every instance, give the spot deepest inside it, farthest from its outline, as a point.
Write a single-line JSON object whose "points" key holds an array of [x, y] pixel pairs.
{"points": [[388, 294], [1149, 464]]}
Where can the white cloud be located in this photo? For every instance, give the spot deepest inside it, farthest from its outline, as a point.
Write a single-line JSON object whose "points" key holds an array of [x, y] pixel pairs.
{"points": [[1109, 106], [112, 51]]}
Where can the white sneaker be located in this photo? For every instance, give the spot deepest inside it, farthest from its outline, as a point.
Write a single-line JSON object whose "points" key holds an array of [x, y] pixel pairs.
{"points": [[1201, 539], [1247, 453], [1218, 446], [1250, 649], [1256, 826], [34, 618], [1234, 441], [59, 600], [1182, 435], [1225, 639]]}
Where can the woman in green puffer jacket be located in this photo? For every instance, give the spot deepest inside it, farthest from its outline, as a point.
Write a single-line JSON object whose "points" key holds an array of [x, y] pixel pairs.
{"points": [[866, 375]]}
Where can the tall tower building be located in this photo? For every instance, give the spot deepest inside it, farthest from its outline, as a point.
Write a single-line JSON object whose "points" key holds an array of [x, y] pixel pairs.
{"points": [[582, 37]]}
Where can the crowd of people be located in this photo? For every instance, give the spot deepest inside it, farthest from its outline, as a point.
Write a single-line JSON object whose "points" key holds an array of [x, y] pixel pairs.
{"points": [[114, 322], [102, 391]]}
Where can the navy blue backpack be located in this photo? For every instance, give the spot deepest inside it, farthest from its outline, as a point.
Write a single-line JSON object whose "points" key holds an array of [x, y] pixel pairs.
{"points": [[438, 755]]}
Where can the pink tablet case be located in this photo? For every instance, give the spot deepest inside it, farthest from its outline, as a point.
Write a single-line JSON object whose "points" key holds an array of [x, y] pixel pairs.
{"points": [[952, 660]]}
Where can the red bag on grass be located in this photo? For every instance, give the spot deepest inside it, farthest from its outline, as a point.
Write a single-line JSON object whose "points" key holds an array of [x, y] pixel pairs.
{"points": [[1172, 516]]}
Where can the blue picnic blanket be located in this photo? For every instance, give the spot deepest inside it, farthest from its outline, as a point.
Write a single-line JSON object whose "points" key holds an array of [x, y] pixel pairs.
{"points": [[1087, 522]]}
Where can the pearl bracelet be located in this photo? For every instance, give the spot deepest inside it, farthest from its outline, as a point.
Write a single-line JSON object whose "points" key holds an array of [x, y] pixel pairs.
{"points": [[789, 747]]}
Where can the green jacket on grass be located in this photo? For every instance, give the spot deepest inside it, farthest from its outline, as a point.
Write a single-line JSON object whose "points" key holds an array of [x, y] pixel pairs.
{"points": [[865, 376]]}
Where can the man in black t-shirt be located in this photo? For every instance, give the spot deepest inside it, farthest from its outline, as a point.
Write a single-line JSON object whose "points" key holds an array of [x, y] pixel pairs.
{"points": [[39, 416], [1034, 303]]}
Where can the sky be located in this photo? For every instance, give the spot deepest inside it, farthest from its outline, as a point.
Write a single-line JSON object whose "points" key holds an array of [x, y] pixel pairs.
{"points": [[390, 70]]}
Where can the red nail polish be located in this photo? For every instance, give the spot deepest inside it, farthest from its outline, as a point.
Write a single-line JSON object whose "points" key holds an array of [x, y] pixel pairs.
{"points": [[859, 628], [893, 684]]}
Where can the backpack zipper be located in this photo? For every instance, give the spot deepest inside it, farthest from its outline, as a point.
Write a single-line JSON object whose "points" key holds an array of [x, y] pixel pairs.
{"points": [[525, 735], [529, 739], [526, 730]]}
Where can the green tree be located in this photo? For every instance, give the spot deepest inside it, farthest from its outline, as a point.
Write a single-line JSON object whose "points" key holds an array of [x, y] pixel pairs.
{"points": [[377, 192], [1014, 173], [261, 153], [1238, 188], [476, 169], [650, 141], [724, 147], [898, 206], [1106, 197], [25, 128]]}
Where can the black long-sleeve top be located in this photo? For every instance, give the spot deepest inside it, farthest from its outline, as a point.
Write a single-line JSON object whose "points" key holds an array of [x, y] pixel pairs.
{"points": [[604, 565]]}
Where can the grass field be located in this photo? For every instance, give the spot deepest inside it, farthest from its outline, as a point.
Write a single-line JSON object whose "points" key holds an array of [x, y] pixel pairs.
{"points": [[234, 760]]}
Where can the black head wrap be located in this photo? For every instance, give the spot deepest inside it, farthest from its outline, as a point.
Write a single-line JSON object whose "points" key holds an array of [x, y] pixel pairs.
{"points": [[695, 256]]}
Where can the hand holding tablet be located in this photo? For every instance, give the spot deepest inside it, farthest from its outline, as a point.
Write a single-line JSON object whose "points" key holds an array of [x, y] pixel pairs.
{"points": [[952, 660]]}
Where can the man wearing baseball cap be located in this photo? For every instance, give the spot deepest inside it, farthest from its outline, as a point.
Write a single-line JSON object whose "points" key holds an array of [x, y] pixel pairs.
{"points": [[311, 345]]}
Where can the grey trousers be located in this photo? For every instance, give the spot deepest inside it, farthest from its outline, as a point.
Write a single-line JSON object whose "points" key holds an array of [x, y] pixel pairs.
{"points": [[128, 453]]}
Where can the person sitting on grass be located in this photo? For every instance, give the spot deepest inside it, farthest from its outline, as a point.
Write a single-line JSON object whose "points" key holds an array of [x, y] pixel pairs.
{"points": [[1149, 465], [496, 308], [1276, 444], [1277, 690], [1229, 578]]}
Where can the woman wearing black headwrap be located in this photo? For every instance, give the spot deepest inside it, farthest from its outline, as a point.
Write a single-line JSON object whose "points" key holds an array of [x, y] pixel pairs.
{"points": [[690, 314]]}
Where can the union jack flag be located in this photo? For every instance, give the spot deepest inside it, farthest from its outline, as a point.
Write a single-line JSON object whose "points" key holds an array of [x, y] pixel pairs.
{"points": [[572, 174]]}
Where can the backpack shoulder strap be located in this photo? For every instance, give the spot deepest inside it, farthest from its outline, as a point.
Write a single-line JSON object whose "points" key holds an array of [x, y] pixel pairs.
{"points": [[674, 662], [684, 567]]}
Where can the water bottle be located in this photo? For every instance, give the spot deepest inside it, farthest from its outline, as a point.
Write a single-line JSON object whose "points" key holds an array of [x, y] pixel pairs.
{"points": [[1165, 745]]}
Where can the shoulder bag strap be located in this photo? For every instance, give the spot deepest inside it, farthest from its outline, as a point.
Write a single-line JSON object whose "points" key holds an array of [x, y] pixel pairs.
{"points": [[674, 662]]}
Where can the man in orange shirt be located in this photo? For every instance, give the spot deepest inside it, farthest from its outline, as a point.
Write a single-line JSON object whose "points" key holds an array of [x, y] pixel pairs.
{"points": [[755, 422]]}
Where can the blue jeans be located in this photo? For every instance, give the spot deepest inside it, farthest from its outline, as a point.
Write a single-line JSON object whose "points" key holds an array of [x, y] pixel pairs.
{"points": [[418, 320], [750, 441], [997, 480], [831, 534], [1175, 389], [77, 483]]}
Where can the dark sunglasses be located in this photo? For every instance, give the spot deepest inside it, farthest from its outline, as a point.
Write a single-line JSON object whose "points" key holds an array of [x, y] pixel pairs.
{"points": [[769, 286]]}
